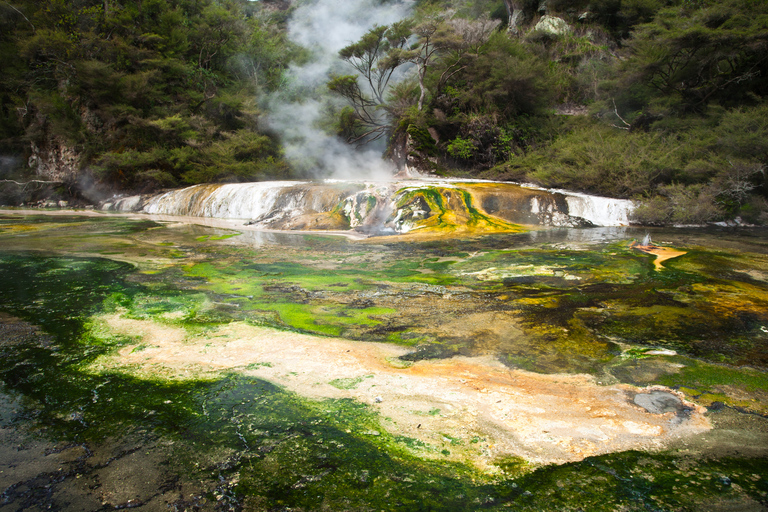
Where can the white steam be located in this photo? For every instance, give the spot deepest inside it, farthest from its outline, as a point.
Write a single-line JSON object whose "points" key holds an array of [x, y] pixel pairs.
{"points": [[325, 27], [8, 164]]}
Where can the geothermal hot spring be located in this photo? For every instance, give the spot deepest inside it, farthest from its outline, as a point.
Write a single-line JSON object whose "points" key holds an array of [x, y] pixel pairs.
{"points": [[462, 346]]}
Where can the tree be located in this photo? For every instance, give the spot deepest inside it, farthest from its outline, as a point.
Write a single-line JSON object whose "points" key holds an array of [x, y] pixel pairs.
{"points": [[376, 56], [139, 94], [434, 36], [473, 35], [382, 50], [688, 58]]}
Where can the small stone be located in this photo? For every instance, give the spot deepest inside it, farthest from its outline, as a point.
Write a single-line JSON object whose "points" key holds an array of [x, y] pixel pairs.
{"points": [[661, 352], [378, 399]]}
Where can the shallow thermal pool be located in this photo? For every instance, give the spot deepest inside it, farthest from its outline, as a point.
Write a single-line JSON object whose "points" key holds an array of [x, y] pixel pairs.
{"points": [[163, 365]]}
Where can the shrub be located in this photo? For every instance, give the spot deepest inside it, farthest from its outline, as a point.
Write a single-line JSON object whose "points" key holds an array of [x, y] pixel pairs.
{"points": [[680, 204], [463, 149]]}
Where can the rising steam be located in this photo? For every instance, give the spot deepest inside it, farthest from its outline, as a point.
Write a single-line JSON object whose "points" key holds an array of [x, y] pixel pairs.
{"points": [[325, 27]]}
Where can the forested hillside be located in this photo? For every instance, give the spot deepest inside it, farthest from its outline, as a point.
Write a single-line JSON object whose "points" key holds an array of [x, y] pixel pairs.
{"points": [[662, 101], [140, 94]]}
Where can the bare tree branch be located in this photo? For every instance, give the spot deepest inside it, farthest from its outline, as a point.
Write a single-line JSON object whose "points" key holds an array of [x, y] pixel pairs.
{"points": [[25, 183], [616, 111], [22, 15]]}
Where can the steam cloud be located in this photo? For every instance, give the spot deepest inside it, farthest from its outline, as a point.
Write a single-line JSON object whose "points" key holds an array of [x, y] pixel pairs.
{"points": [[325, 27], [8, 164]]}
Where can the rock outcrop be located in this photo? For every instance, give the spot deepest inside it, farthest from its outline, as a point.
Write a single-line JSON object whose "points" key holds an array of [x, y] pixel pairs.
{"points": [[55, 161], [552, 25]]}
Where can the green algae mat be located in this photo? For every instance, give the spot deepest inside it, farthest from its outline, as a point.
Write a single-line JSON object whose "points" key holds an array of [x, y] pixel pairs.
{"points": [[102, 405]]}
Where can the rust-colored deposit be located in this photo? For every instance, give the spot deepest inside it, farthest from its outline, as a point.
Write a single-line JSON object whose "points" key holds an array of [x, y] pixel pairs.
{"points": [[662, 253]]}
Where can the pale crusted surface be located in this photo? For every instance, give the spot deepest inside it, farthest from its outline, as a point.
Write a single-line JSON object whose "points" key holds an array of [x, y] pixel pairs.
{"points": [[475, 407]]}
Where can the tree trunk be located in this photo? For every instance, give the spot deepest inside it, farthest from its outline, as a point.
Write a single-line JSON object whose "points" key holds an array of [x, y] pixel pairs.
{"points": [[515, 14], [422, 87]]}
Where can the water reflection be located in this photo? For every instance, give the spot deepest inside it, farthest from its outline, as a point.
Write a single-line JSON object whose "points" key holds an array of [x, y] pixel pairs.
{"points": [[561, 300], [586, 235]]}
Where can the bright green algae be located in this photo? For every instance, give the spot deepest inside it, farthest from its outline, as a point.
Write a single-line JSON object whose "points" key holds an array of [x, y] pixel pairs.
{"points": [[276, 450], [452, 210], [567, 309]]}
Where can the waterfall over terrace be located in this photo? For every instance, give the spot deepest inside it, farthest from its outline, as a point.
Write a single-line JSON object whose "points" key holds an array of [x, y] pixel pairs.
{"points": [[384, 207]]}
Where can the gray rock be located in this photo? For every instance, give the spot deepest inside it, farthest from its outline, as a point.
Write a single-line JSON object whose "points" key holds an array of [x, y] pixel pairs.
{"points": [[553, 25], [659, 402]]}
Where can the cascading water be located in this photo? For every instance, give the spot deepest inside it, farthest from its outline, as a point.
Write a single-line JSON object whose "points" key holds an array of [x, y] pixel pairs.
{"points": [[600, 211], [384, 207], [253, 201]]}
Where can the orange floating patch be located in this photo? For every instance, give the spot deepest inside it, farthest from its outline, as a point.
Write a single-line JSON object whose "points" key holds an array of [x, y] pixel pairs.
{"points": [[662, 253]]}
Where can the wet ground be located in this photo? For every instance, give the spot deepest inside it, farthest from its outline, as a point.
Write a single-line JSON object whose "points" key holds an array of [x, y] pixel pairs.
{"points": [[169, 366]]}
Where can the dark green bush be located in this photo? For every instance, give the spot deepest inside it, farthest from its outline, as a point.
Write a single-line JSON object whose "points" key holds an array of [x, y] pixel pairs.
{"points": [[147, 94]]}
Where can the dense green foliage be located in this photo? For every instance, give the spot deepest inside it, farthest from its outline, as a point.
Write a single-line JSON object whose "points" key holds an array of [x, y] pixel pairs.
{"points": [[663, 101], [147, 94], [668, 97]]}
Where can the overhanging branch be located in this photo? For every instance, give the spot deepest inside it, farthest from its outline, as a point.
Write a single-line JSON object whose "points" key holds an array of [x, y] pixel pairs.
{"points": [[24, 184]]}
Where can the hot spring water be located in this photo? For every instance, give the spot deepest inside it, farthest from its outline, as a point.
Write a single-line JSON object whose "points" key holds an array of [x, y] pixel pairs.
{"points": [[169, 365]]}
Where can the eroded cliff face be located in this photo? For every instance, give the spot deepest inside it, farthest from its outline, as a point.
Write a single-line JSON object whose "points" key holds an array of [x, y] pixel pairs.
{"points": [[52, 153], [55, 160]]}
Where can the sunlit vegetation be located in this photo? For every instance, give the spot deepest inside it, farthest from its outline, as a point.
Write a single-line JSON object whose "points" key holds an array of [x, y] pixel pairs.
{"points": [[658, 101], [663, 102]]}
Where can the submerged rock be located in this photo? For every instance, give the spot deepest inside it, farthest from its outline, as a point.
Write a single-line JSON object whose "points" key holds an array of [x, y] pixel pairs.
{"points": [[659, 402]]}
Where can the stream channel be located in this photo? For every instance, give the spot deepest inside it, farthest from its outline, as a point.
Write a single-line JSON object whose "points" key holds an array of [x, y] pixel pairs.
{"points": [[167, 365]]}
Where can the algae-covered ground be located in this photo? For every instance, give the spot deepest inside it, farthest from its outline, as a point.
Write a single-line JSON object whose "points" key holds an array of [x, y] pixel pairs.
{"points": [[104, 406]]}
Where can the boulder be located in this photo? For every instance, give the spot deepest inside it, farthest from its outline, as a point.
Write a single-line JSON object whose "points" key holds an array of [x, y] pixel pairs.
{"points": [[553, 25]]}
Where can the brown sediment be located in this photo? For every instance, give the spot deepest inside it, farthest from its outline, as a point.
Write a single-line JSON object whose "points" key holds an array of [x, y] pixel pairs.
{"points": [[14, 330], [476, 408], [662, 253]]}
